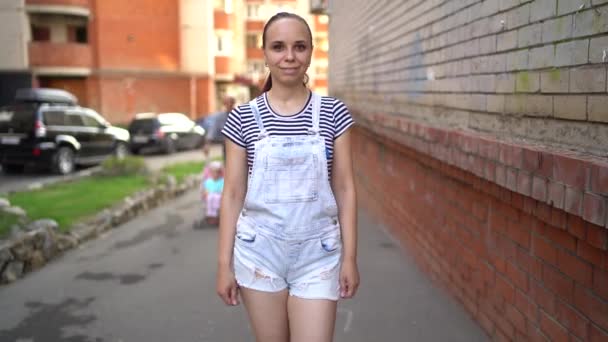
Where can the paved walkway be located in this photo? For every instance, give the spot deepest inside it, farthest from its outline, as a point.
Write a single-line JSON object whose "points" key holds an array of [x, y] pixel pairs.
{"points": [[153, 279]]}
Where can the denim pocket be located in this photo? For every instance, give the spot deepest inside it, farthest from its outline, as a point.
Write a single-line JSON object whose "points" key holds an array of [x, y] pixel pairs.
{"points": [[331, 243], [291, 179], [245, 233]]}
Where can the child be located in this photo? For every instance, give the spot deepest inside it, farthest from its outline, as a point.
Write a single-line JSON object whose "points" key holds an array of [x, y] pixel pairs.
{"points": [[212, 186]]}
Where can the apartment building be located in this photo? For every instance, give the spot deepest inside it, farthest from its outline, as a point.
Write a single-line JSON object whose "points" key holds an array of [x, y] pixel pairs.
{"points": [[123, 57]]}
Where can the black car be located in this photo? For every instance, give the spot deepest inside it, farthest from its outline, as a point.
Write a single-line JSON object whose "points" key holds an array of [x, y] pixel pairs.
{"points": [[46, 128], [167, 132]]}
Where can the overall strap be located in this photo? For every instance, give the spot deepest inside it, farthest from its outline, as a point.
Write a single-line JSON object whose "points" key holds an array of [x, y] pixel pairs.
{"points": [[316, 112], [256, 114]]}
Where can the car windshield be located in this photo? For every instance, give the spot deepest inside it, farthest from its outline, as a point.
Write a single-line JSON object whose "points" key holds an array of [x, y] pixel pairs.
{"points": [[18, 117], [143, 125]]}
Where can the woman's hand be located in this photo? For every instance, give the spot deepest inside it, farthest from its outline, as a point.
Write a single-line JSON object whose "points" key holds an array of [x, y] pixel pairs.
{"points": [[227, 287], [349, 279]]}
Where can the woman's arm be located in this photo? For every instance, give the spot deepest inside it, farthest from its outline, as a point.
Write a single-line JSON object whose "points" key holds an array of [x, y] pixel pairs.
{"points": [[235, 187], [344, 189]]}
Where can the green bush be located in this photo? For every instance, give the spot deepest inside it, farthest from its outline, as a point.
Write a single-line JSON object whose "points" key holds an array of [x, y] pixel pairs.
{"points": [[7, 221], [128, 166]]}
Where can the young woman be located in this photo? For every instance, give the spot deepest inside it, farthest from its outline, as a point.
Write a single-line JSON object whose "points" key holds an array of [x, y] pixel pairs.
{"points": [[288, 235]]}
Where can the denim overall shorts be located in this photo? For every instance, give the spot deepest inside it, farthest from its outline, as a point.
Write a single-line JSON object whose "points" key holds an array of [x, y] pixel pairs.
{"points": [[288, 235]]}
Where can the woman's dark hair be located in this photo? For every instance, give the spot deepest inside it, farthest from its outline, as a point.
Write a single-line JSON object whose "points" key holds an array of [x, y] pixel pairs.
{"points": [[281, 15]]}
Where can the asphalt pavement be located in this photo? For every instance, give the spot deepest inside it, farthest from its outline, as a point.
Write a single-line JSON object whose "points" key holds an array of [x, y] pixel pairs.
{"points": [[153, 279]]}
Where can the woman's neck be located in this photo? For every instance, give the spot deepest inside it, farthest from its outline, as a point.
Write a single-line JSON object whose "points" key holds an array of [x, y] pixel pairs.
{"points": [[287, 101], [288, 94]]}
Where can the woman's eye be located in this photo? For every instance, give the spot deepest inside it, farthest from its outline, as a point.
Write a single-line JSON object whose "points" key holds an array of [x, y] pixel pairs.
{"points": [[301, 47], [277, 47]]}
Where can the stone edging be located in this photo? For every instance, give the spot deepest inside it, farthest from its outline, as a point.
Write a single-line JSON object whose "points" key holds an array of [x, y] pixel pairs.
{"points": [[41, 241]]}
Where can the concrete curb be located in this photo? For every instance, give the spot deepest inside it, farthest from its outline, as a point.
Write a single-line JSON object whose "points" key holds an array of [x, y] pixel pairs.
{"points": [[41, 241]]}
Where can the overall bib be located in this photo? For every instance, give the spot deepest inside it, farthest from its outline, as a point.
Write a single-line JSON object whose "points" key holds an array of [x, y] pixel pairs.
{"points": [[288, 235]]}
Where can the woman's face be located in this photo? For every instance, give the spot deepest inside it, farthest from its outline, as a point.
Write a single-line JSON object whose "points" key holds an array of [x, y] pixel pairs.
{"points": [[287, 51]]}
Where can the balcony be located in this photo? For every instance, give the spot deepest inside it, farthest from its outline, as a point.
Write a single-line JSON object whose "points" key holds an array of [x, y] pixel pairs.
{"points": [[255, 53], [61, 58], [65, 7], [222, 66], [221, 20]]}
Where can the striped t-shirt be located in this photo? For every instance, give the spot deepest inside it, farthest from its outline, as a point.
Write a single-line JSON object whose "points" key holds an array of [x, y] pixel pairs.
{"points": [[243, 130]]}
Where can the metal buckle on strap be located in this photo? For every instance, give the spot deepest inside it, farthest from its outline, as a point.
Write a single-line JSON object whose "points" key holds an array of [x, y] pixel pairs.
{"points": [[262, 135], [311, 131]]}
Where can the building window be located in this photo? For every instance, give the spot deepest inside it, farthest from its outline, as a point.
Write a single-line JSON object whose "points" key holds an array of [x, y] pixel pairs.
{"points": [[253, 41], [223, 5], [224, 45], [77, 34], [255, 67], [41, 33], [285, 8], [253, 11]]}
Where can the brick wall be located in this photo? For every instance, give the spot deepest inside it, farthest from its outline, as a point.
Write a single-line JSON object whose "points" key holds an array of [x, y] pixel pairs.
{"points": [[137, 35], [488, 123]]}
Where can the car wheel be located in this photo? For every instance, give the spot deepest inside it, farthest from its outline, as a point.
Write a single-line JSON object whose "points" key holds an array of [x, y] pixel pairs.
{"points": [[13, 168], [121, 151], [63, 161], [170, 146]]}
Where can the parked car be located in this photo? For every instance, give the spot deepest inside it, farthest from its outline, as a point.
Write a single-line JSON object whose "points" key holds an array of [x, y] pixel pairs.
{"points": [[47, 128], [167, 132]]}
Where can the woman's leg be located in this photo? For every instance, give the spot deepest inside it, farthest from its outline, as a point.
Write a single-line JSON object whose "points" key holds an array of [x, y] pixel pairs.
{"points": [[267, 314], [311, 320]]}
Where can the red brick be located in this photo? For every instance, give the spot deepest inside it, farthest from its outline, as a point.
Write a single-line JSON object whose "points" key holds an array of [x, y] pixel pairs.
{"points": [[558, 218], [543, 212], [524, 183], [516, 157], [490, 170], [501, 175], [526, 306], [505, 289], [539, 189], [597, 335], [576, 226], [517, 201], [550, 327], [518, 233], [591, 306], [573, 201], [599, 179], [570, 171], [546, 165], [544, 249], [518, 277], [560, 237], [511, 179], [535, 335], [594, 209], [529, 264], [575, 268], [558, 283], [600, 283], [489, 149], [572, 319], [556, 195], [486, 323], [531, 159], [516, 318], [544, 298], [506, 328], [590, 254], [597, 236]]}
